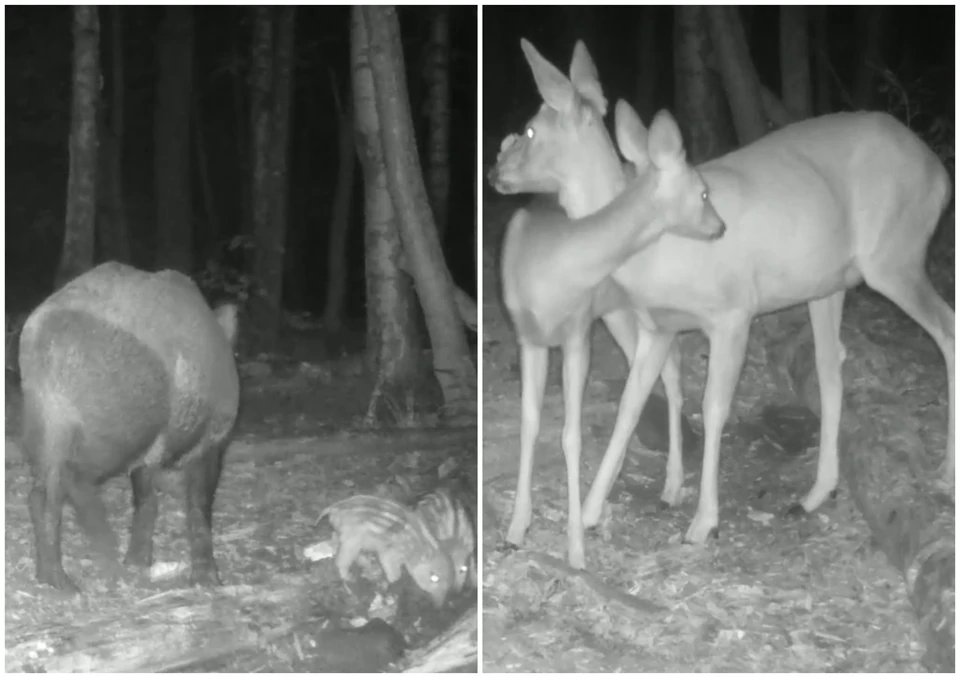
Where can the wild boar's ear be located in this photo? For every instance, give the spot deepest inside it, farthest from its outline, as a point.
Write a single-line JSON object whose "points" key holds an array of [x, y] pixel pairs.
{"points": [[226, 315]]}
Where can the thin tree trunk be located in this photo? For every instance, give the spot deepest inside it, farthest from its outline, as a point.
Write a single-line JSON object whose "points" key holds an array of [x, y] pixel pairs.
{"points": [[647, 63], [823, 79], [795, 61], [268, 244], [871, 19], [700, 103], [340, 218], [438, 114], [78, 236], [271, 270], [393, 343], [172, 132], [452, 365], [112, 226], [213, 233], [740, 79]]}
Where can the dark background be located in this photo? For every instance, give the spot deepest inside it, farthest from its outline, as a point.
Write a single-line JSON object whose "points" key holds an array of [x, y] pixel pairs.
{"points": [[918, 45], [39, 48]]}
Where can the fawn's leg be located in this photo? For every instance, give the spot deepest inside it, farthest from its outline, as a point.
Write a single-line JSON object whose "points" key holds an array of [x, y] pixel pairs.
{"points": [[728, 345], [533, 380]]}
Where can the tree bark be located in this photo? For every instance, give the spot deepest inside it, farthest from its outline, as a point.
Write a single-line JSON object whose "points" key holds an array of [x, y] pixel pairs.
{"points": [[647, 62], [822, 78], [340, 217], [795, 61], [872, 20], [172, 134], [393, 342], [212, 232], [438, 114], [271, 80], [452, 365], [112, 222], [78, 236], [740, 79], [700, 103]]}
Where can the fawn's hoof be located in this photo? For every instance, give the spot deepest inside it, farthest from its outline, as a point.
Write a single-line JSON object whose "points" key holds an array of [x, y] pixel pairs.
{"points": [[714, 533], [796, 511]]}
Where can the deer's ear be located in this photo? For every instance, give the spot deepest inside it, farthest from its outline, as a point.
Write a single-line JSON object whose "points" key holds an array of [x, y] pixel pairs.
{"points": [[666, 142], [583, 75], [631, 136], [554, 87]]}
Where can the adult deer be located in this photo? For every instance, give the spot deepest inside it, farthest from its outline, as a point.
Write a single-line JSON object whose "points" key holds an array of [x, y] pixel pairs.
{"points": [[811, 210], [555, 271]]}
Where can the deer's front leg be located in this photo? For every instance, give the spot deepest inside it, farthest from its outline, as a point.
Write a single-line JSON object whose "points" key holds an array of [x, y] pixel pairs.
{"points": [[576, 361], [651, 352], [728, 344], [533, 380]]}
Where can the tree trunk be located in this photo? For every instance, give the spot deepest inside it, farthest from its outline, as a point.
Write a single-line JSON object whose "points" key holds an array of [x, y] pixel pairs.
{"points": [[112, 221], [740, 79], [273, 245], [172, 134], [212, 232], [647, 62], [78, 236], [269, 238], [393, 342], [438, 115], [871, 19], [340, 217], [795, 61], [822, 77], [700, 103], [452, 365]]}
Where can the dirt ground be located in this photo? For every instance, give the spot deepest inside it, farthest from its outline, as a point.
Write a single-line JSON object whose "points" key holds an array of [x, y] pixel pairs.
{"points": [[266, 507], [772, 594]]}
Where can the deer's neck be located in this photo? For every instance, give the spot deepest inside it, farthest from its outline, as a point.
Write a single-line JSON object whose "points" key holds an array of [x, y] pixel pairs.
{"points": [[600, 180]]}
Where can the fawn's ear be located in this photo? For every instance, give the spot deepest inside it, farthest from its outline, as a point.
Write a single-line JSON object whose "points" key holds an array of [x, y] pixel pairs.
{"points": [[583, 75], [666, 143], [554, 87], [632, 137]]}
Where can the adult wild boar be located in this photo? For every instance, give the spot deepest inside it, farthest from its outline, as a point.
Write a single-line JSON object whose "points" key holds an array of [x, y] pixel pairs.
{"points": [[126, 371]]}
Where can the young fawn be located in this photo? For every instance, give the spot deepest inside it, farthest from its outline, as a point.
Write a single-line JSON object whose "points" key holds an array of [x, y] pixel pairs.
{"points": [[557, 258], [811, 210]]}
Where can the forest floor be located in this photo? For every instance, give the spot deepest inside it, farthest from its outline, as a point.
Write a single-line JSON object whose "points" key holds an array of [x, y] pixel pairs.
{"points": [[270, 495], [771, 594]]}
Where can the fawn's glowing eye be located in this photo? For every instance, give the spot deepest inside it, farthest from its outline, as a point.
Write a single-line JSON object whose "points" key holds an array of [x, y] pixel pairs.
{"points": [[704, 196], [529, 133]]}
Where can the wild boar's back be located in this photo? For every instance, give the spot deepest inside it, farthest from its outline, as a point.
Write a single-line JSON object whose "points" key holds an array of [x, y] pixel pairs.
{"points": [[131, 357]]}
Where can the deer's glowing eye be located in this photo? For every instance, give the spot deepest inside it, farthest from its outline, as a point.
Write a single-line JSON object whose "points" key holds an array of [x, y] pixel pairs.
{"points": [[704, 196], [529, 133]]}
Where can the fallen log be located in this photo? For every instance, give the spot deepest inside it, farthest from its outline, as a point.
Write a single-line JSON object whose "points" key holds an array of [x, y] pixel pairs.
{"points": [[893, 479], [453, 651], [176, 630]]}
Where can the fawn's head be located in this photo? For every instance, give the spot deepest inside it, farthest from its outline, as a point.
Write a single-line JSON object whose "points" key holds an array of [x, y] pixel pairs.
{"points": [[565, 148], [673, 189]]}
